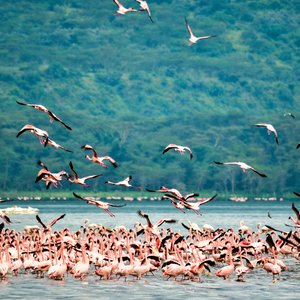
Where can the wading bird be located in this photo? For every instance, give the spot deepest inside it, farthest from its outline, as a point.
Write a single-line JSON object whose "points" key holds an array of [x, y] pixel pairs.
{"points": [[194, 39], [242, 165], [97, 159], [47, 111], [270, 129], [180, 149], [104, 205], [82, 180], [50, 224]]}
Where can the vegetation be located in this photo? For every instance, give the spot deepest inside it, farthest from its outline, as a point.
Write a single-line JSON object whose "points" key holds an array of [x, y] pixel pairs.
{"points": [[129, 87]]}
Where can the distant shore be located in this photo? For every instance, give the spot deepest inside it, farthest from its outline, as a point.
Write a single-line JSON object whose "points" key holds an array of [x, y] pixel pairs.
{"points": [[35, 195]]}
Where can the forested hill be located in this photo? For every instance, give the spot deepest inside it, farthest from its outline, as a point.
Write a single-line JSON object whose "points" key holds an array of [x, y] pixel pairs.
{"points": [[129, 87]]}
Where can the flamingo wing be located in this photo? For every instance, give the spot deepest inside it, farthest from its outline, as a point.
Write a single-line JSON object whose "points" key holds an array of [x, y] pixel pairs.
{"points": [[111, 160], [162, 221], [207, 200], [145, 216], [258, 173], [72, 169], [188, 27], [169, 147], [89, 147], [56, 118], [116, 205], [296, 211], [56, 219], [90, 176], [40, 221]]}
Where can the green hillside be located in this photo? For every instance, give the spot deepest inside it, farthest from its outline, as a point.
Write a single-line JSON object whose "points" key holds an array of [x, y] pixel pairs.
{"points": [[129, 87]]}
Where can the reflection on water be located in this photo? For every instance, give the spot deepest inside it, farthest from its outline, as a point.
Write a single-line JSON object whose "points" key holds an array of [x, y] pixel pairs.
{"points": [[219, 213]]}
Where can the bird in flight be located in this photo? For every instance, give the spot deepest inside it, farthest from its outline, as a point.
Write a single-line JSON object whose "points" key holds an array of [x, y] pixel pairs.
{"points": [[180, 149], [104, 205], [123, 10], [97, 159], [145, 7], [81, 180], [47, 111], [270, 129], [41, 134], [194, 39], [55, 145], [124, 183], [289, 114], [242, 165], [50, 224]]}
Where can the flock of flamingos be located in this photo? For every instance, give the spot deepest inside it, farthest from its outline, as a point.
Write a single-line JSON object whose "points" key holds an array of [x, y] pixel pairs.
{"points": [[145, 249]]}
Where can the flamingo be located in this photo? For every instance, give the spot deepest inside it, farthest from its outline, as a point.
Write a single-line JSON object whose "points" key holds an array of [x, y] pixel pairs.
{"points": [[145, 7], [55, 145], [270, 129], [296, 211], [180, 149], [81, 180], [50, 224], [4, 217], [289, 114], [153, 228], [81, 268], [97, 159], [123, 10], [226, 271], [164, 189], [104, 205], [193, 39], [124, 183], [47, 111], [242, 165], [40, 133]]}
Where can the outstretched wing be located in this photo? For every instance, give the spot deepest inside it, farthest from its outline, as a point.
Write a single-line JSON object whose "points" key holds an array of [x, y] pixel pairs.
{"points": [[56, 219], [40, 221], [116, 205], [145, 216], [79, 197], [258, 173], [89, 147], [188, 27], [169, 147], [91, 176], [56, 118], [296, 211], [72, 169], [162, 221]]}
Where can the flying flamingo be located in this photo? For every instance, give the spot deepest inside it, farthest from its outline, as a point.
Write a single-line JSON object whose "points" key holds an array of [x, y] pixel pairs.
{"points": [[55, 145], [193, 39], [180, 149], [164, 189], [41, 134], [145, 7], [124, 183], [97, 159], [270, 129], [153, 228], [47, 111], [104, 205], [242, 165], [123, 10], [81, 180], [50, 224]]}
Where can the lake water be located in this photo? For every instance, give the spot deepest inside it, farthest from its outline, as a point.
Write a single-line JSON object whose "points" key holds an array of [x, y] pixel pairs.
{"points": [[219, 213]]}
